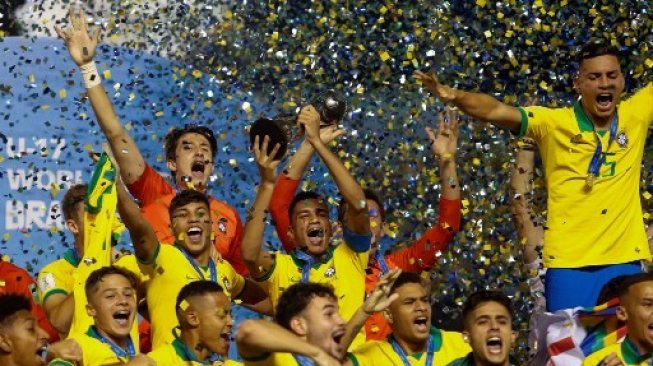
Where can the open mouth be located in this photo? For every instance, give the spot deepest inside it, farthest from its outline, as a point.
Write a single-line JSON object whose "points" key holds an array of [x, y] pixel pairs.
{"points": [[422, 323], [197, 169], [226, 336], [494, 345], [194, 234], [337, 335], [604, 100], [315, 235], [122, 317]]}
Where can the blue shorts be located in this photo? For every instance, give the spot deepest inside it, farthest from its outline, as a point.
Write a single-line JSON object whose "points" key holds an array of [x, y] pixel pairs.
{"points": [[567, 288]]}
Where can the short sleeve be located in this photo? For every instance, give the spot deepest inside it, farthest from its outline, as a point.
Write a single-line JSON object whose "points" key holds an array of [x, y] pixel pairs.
{"points": [[51, 280], [535, 122], [234, 282]]}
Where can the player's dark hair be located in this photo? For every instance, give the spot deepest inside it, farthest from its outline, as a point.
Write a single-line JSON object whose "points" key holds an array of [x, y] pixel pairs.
{"points": [[481, 297], [297, 297]]}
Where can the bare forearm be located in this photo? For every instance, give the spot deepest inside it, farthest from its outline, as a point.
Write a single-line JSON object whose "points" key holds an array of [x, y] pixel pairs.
{"points": [[299, 161], [256, 337], [449, 174], [354, 325], [140, 231], [124, 149], [357, 219], [61, 314], [255, 226], [487, 108]]}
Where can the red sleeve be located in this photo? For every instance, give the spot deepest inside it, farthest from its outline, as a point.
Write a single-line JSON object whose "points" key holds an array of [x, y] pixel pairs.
{"points": [[284, 191], [424, 253], [149, 186]]}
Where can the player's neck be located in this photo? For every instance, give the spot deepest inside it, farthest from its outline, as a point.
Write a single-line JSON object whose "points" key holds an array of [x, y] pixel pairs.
{"points": [[121, 342], [600, 124], [642, 346], [411, 347], [7, 360], [192, 340], [479, 362], [202, 258]]}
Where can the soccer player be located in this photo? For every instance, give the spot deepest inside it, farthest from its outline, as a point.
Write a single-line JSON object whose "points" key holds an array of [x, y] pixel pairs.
{"points": [[591, 153], [487, 318], [314, 260], [413, 341], [170, 267], [55, 282], [309, 326], [111, 295], [21, 339], [190, 154], [204, 316], [15, 280], [422, 255], [636, 310]]}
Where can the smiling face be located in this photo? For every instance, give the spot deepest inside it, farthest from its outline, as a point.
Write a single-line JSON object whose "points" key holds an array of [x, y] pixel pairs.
{"points": [[310, 226], [191, 224], [636, 310], [600, 84], [323, 325], [22, 339], [112, 305], [489, 332], [193, 162], [410, 314], [214, 315]]}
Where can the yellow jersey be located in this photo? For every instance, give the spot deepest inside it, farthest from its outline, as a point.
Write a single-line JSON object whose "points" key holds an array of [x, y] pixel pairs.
{"points": [[272, 359], [95, 352], [447, 346], [57, 277], [176, 353], [626, 351], [603, 224], [170, 270], [342, 268]]}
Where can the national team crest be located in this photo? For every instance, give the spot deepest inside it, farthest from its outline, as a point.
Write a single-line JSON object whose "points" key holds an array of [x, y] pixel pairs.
{"points": [[622, 139], [222, 225], [330, 272]]}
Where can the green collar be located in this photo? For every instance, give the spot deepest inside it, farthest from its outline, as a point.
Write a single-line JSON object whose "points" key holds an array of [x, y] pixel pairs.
{"points": [[436, 334], [316, 265], [71, 257], [584, 122], [631, 354], [180, 349]]}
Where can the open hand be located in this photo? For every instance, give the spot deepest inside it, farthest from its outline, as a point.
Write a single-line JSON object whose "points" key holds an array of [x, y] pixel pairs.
{"points": [[267, 166], [80, 43], [444, 141], [380, 298], [445, 93]]}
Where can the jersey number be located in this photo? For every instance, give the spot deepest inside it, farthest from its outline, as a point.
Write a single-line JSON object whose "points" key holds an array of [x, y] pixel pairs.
{"points": [[607, 161]]}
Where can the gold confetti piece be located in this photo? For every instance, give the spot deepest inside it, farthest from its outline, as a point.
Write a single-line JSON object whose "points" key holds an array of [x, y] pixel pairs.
{"points": [[647, 196], [648, 62], [481, 3], [62, 93], [106, 74], [5, 237], [385, 56], [54, 190], [183, 305], [197, 74]]}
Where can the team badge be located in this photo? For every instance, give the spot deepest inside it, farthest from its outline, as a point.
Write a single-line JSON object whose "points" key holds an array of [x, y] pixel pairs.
{"points": [[46, 283], [330, 272], [622, 139], [222, 225], [227, 285]]}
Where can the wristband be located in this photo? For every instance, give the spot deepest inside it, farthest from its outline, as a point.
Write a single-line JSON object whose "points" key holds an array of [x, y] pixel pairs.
{"points": [[90, 75]]}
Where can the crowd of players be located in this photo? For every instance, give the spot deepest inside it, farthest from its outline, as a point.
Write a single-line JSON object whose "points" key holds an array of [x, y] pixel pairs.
{"points": [[334, 297]]}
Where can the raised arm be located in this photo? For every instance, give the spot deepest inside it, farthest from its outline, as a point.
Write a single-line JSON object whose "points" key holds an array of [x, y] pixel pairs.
{"points": [[423, 254], [377, 301], [356, 218], [480, 106], [141, 232], [529, 233], [258, 261], [81, 46], [260, 338], [286, 186]]}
